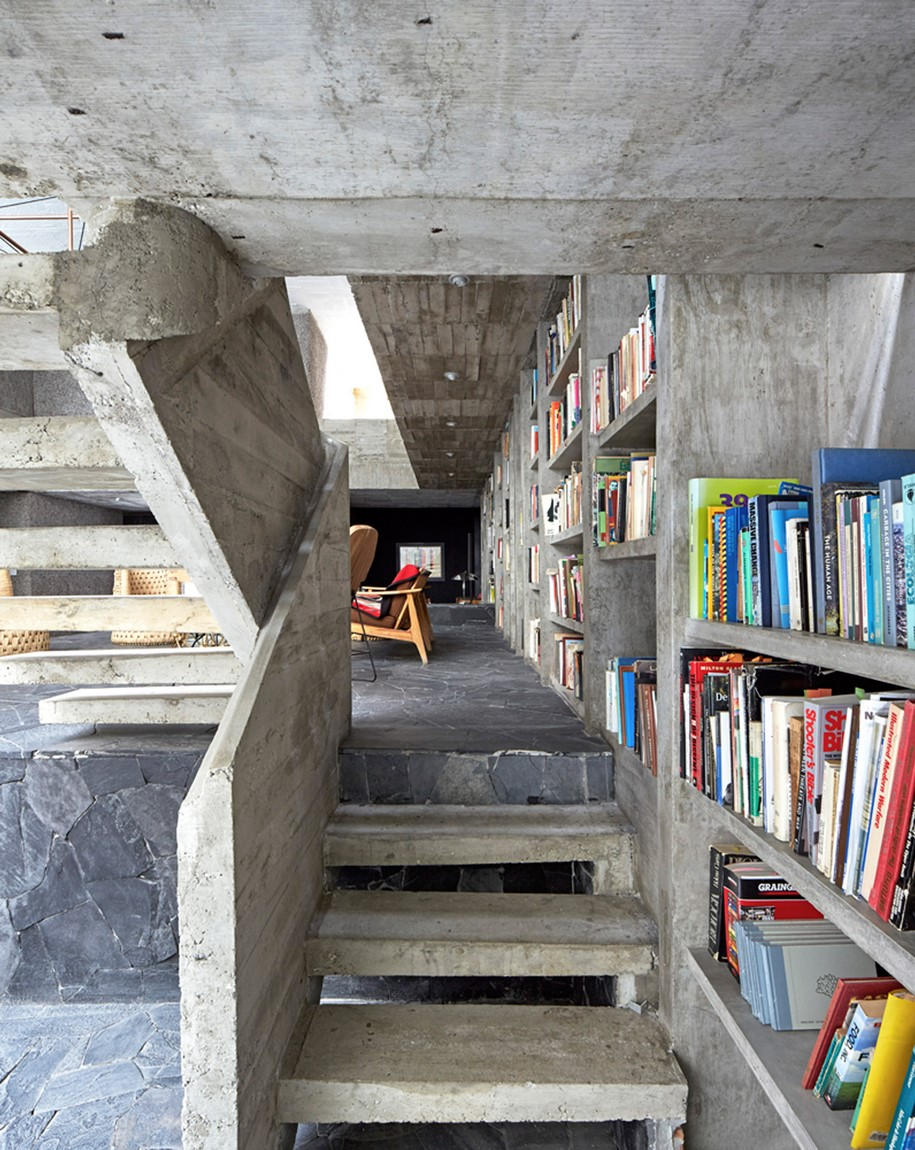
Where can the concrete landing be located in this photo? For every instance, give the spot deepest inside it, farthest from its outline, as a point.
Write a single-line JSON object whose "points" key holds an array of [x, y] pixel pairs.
{"points": [[433, 934], [441, 834], [482, 1063], [122, 665], [137, 706]]}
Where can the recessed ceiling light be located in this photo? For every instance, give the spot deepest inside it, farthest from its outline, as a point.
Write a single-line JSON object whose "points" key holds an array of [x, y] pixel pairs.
{"points": [[451, 474], [450, 454], [450, 423], [459, 281], [452, 376]]}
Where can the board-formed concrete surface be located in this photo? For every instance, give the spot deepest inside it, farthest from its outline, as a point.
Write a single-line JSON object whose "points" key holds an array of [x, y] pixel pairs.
{"points": [[60, 453], [184, 613], [432, 933], [92, 547], [474, 1063]]}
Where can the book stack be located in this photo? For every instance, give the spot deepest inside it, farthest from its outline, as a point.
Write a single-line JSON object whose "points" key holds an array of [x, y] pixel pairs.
{"points": [[562, 507], [535, 441], [562, 331], [570, 652], [567, 589], [534, 504], [623, 497], [565, 414], [831, 558], [632, 706], [533, 564], [630, 369], [535, 387], [863, 1061], [830, 773]]}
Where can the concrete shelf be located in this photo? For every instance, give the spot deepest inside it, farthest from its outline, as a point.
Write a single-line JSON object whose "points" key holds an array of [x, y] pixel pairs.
{"points": [[892, 664], [567, 365], [570, 535], [776, 1058], [568, 624], [534, 462], [635, 428], [571, 701], [568, 451], [631, 549], [893, 949]]}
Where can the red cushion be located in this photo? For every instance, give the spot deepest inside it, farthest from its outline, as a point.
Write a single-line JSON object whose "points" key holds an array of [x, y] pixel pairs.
{"points": [[406, 574]]}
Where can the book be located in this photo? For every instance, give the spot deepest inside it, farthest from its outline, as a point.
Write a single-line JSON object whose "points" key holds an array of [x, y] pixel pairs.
{"points": [[844, 1085], [780, 512], [908, 538], [846, 991], [798, 984], [883, 787], [905, 1109], [842, 465], [720, 856], [754, 890], [719, 492], [889, 1062], [824, 730]]}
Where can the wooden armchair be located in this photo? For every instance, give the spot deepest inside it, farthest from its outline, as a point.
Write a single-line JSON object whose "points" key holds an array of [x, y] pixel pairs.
{"points": [[407, 618]]}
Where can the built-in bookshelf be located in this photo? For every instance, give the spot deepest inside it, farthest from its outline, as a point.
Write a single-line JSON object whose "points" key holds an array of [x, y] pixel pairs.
{"points": [[753, 374]]}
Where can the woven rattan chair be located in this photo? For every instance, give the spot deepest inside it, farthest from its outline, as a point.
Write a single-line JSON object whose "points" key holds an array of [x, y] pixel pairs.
{"points": [[19, 642], [147, 581]]}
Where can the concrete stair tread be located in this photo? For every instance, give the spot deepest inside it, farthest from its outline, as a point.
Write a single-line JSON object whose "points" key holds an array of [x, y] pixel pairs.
{"points": [[183, 613], [436, 834], [87, 547], [60, 453], [442, 933], [482, 1063], [123, 665], [137, 705]]}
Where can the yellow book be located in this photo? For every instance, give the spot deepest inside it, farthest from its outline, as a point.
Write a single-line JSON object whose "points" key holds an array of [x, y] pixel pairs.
{"points": [[889, 1063]]}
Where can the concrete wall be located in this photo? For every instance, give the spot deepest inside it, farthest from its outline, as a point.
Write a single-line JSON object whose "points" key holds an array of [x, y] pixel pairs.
{"points": [[756, 372], [314, 356], [250, 865], [378, 459]]}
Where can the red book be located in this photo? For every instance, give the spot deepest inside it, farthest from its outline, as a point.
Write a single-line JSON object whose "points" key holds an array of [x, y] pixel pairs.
{"points": [[846, 990], [902, 798]]}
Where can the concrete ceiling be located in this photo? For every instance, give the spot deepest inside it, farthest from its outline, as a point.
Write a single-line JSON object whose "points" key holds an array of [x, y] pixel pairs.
{"points": [[519, 137], [421, 327]]}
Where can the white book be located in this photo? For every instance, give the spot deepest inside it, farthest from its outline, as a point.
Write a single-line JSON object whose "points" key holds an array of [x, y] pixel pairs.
{"points": [[782, 709]]}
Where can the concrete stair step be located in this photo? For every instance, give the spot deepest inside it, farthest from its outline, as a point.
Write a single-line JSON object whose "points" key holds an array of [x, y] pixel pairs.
{"points": [[458, 934], [121, 666], [85, 548], [482, 1064], [443, 834], [129, 706], [60, 453], [184, 613]]}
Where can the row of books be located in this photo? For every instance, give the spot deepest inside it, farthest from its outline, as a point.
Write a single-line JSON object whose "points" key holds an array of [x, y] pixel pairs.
{"points": [[534, 388], [623, 498], [533, 640], [798, 972], [837, 558], [632, 705], [819, 765], [629, 370], [564, 414], [562, 331], [566, 587], [533, 507], [533, 564], [562, 507], [569, 656], [535, 441]]}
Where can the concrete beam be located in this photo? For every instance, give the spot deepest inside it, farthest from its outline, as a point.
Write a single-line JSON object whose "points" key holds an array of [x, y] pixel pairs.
{"points": [[141, 666], [84, 548], [184, 613], [137, 706], [59, 453]]}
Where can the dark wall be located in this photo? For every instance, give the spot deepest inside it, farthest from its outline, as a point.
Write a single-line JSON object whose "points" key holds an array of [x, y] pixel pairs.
{"points": [[449, 526]]}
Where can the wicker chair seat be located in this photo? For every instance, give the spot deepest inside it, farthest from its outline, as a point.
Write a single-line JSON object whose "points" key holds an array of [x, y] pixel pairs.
{"points": [[19, 642]]}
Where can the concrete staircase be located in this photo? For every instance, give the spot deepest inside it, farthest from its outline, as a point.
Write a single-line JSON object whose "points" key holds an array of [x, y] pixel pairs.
{"points": [[61, 455], [422, 1063]]}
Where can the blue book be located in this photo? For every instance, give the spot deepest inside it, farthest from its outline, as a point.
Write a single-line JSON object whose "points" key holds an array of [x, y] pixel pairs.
{"points": [[905, 1109], [779, 514], [874, 574], [735, 519], [758, 520], [843, 465]]}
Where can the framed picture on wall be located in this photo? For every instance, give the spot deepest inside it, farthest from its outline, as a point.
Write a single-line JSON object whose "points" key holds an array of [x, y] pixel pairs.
{"points": [[428, 555]]}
